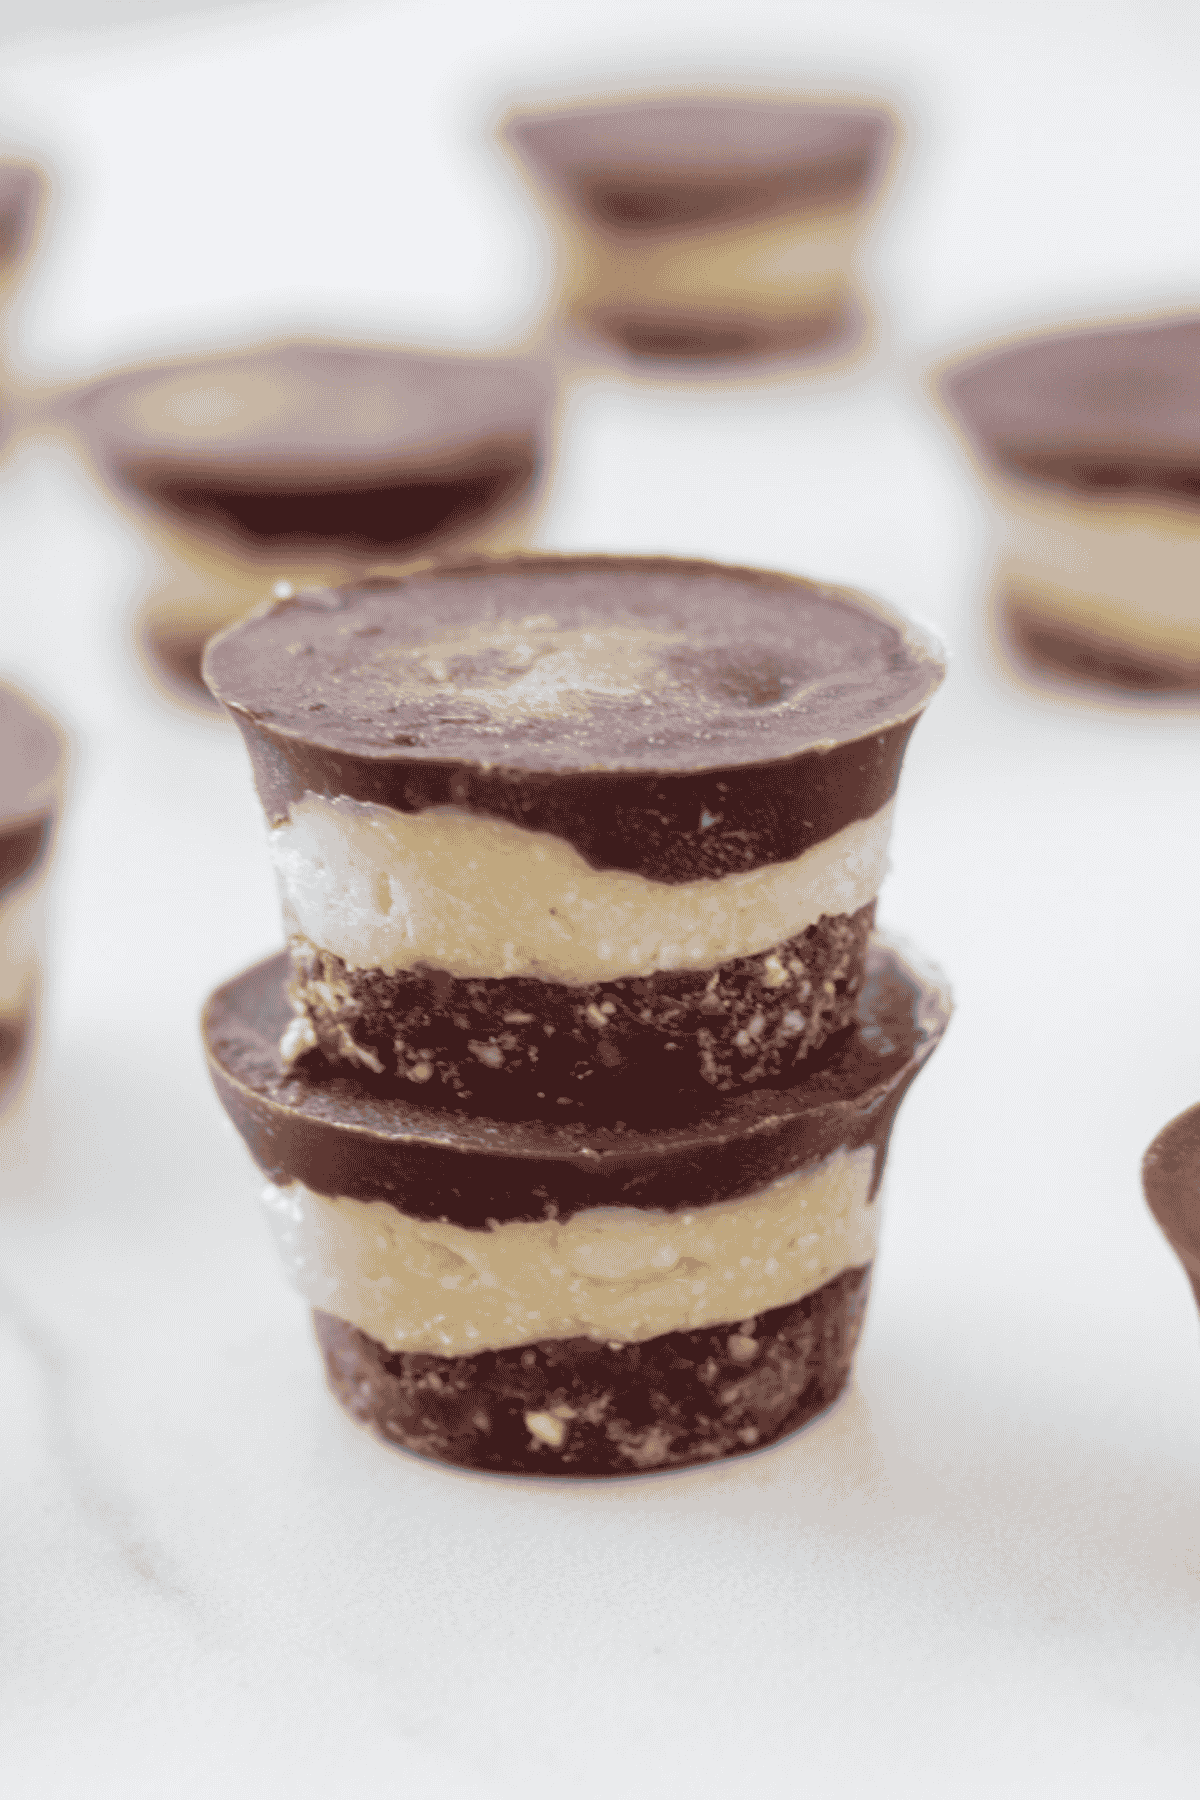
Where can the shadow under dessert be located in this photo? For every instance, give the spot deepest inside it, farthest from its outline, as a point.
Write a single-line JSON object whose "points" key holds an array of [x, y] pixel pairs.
{"points": [[1091, 445], [709, 228]]}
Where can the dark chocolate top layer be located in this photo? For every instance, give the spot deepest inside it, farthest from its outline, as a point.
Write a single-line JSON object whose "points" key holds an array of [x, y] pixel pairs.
{"points": [[1171, 1178], [685, 160], [340, 1140], [1097, 410], [673, 718], [22, 187]]}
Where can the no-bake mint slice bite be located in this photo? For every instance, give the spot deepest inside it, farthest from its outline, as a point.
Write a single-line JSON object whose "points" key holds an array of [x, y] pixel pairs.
{"points": [[578, 837], [550, 1298]]}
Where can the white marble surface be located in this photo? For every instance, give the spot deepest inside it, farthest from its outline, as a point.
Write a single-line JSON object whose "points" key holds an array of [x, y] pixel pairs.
{"points": [[981, 1575]]}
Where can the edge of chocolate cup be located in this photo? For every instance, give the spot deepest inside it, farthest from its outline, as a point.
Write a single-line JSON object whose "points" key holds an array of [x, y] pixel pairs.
{"points": [[1171, 1183]]}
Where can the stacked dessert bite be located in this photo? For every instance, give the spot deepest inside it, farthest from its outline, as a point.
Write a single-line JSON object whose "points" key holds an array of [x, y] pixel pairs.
{"points": [[574, 1086]]}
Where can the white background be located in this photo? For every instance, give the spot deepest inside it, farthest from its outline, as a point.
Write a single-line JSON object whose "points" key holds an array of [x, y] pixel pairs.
{"points": [[981, 1575]]}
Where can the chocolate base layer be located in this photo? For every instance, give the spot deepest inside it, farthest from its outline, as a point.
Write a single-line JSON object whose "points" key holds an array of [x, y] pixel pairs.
{"points": [[721, 335], [576, 1407], [1042, 642], [523, 1048]]}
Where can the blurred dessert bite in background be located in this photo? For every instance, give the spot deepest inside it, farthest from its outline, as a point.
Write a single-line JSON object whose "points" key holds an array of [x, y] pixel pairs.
{"points": [[1089, 441], [1171, 1179], [33, 754], [23, 190], [304, 463], [707, 227]]}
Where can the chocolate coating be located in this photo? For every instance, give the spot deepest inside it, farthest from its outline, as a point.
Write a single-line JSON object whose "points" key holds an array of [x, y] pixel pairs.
{"points": [[777, 710], [1095, 411], [32, 753], [625, 1409], [292, 446], [340, 1139], [1171, 1178], [22, 191], [649, 1049], [685, 162]]}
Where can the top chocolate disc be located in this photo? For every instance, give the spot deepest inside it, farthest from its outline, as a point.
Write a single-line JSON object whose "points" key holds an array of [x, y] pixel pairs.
{"points": [[1171, 1178], [646, 165], [1113, 409], [310, 442], [675, 718]]}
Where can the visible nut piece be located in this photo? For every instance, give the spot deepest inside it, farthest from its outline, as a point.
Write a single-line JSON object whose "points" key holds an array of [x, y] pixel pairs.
{"points": [[546, 1428]]}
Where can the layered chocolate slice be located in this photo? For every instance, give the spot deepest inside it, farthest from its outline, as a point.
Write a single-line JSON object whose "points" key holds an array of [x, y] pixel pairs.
{"points": [[702, 227], [1171, 1178], [575, 837], [32, 757], [562, 1299], [310, 460], [1090, 440]]}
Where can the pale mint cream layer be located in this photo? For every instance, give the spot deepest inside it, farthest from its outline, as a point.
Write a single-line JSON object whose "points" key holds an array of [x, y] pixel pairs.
{"points": [[614, 1274], [482, 898], [1123, 568]]}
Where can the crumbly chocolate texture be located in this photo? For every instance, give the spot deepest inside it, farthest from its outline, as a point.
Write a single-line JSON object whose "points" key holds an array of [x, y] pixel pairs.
{"points": [[1112, 411], [766, 713], [576, 1407], [339, 1138], [1171, 1179], [648, 1047], [1044, 642], [649, 167]]}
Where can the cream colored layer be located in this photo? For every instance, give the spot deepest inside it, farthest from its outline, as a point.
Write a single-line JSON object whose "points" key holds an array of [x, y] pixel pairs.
{"points": [[21, 917], [482, 898], [780, 267], [616, 1274], [1129, 570]]}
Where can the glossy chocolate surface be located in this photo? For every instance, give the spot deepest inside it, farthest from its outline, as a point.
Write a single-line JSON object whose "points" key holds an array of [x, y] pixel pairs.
{"points": [[771, 713], [339, 1139], [295, 445], [1171, 1178], [1098, 411], [606, 1409], [686, 162]]}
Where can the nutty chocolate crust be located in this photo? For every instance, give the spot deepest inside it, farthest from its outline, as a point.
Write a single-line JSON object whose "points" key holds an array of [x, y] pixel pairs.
{"points": [[1110, 411], [572, 1406], [676, 163], [378, 451], [647, 1048], [339, 1138], [1041, 642], [1171, 1179], [782, 715]]}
